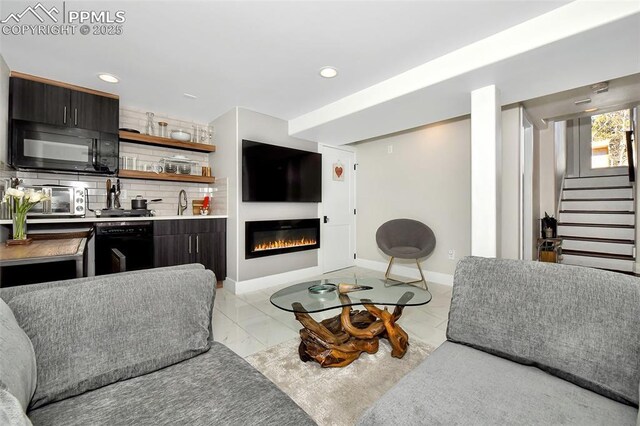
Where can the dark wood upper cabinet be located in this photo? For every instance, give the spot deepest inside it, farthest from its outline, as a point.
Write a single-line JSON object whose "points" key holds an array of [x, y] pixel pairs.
{"points": [[94, 112], [39, 102]]}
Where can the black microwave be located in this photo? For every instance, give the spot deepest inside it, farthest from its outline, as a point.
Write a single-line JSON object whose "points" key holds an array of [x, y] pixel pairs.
{"points": [[44, 147]]}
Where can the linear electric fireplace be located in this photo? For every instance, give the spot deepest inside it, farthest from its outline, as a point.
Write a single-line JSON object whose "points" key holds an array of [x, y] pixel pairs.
{"points": [[271, 237]]}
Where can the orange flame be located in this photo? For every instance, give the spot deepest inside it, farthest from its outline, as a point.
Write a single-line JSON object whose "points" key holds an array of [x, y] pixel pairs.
{"points": [[278, 244]]}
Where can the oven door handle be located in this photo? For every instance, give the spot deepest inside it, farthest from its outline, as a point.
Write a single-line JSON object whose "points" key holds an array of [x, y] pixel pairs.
{"points": [[118, 261]]}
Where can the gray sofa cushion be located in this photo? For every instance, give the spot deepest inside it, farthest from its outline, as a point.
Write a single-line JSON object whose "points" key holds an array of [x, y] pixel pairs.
{"points": [[459, 385], [17, 359], [11, 412], [8, 293], [91, 334], [215, 388], [580, 324]]}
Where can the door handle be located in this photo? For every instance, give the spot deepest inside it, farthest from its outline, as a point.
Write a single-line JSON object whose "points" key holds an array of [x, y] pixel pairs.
{"points": [[197, 243], [189, 244], [75, 116], [326, 219], [64, 115]]}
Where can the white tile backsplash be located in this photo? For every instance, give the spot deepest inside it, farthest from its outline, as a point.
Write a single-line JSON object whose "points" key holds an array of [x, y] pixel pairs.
{"points": [[130, 188]]}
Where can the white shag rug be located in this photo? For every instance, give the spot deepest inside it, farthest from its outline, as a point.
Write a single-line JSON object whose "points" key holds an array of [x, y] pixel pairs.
{"points": [[337, 396]]}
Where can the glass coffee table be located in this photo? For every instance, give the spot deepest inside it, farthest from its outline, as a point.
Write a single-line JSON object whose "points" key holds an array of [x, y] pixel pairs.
{"points": [[338, 341]]}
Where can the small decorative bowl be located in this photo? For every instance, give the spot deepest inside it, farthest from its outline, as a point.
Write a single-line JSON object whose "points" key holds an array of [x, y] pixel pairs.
{"points": [[170, 168], [180, 135]]}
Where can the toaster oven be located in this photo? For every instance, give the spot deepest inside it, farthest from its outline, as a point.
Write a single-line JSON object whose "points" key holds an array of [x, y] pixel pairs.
{"points": [[64, 201]]}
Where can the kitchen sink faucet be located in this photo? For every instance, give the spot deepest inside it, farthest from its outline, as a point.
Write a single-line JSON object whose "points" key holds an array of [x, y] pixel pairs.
{"points": [[182, 196]]}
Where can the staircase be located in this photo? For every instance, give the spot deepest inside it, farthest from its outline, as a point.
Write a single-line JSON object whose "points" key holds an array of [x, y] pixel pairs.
{"points": [[597, 223]]}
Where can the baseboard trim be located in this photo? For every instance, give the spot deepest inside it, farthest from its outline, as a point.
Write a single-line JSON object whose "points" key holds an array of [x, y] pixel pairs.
{"points": [[240, 287], [406, 271]]}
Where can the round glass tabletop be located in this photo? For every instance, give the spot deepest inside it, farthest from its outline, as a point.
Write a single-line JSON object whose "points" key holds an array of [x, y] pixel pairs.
{"points": [[320, 295]]}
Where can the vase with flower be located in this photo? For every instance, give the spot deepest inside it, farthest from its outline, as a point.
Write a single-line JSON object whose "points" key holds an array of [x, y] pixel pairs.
{"points": [[23, 201]]}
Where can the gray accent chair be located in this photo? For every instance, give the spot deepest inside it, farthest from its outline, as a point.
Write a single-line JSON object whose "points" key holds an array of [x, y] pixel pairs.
{"points": [[405, 239], [130, 348], [528, 343]]}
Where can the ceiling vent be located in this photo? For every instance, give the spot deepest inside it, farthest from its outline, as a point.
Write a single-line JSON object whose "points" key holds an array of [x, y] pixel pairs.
{"points": [[583, 101], [600, 87]]}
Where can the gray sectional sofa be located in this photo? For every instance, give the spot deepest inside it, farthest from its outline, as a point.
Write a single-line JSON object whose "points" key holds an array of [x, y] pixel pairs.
{"points": [[133, 348], [527, 343]]}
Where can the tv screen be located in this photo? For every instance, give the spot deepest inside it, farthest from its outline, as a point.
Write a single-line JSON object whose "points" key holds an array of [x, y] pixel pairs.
{"points": [[274, 173]]}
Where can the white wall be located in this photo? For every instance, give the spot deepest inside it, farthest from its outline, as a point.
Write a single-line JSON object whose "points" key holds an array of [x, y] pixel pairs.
{"points": [[264, 128], [486, 171], [224, 162], [230, 129], [547, 172], [535, 229], [572, 148], [426, 178], [509, 247], [560, 151]]}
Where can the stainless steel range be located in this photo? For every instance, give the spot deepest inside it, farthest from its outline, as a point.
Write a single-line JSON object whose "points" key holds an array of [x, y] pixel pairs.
{"points": [[123, 213]]}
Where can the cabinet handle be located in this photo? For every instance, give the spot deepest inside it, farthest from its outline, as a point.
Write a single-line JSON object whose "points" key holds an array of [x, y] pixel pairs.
{"points": [[197, 243], [189, 244], [75, 116], [64, 116]]}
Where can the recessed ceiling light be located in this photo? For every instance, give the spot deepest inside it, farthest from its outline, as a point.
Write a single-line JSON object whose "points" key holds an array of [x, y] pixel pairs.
{"points": [[590, 109], [328, 72], [190, 96], [109, 78]]}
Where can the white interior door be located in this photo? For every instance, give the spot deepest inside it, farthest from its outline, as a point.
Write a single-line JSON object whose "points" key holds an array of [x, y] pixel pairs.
{"points": [[338, 238]]}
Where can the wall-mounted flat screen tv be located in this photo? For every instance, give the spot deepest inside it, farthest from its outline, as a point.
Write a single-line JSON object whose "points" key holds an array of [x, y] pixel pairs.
{"points": [[278, 174]]}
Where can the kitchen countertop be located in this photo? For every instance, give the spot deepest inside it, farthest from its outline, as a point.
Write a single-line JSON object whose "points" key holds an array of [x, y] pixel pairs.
{"points": [[94, 219]]}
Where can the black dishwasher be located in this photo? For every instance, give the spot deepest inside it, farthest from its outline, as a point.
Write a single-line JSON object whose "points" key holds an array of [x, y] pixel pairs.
{"points": [[123, 246]]}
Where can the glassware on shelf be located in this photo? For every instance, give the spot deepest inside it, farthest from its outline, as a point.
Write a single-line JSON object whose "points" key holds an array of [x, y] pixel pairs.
{"points": [[179, 165], [195, 135], [205, 134], [163, 130], [150, 126]]}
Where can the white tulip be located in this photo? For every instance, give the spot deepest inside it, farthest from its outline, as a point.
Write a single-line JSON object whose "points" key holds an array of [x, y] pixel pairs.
{"points": [[35, 197], [15, 192]]}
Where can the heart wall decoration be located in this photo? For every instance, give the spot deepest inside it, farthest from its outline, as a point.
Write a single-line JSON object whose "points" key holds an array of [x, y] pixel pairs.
{"points": [[338, 171]]}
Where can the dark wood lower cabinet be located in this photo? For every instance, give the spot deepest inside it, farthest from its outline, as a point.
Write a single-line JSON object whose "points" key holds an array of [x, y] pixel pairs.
{"points": [[177, 242], [170, 250]]}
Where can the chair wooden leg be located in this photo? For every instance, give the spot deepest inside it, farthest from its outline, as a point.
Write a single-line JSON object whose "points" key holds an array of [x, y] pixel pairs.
{"points": [[398, 282]]}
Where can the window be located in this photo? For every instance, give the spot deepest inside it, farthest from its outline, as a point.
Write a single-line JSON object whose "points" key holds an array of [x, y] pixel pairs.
{"points": [[608, 139]]}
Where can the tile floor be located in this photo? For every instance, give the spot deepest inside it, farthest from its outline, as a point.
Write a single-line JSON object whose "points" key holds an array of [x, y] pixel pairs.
{"points": [[249, 323]]}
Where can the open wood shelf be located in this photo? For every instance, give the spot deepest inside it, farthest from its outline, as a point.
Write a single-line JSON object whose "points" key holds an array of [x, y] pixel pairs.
{"points": [[166, 142], [137, 174]]}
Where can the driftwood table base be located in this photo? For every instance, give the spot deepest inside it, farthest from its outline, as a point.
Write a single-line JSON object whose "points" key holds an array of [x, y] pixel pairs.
{"points": [[338, 341]]}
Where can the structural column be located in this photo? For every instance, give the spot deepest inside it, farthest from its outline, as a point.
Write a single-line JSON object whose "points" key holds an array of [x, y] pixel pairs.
{"points": [[486, 165]]}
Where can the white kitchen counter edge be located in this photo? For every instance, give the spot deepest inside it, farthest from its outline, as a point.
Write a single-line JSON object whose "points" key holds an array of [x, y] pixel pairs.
{"points": [[94, 219]]}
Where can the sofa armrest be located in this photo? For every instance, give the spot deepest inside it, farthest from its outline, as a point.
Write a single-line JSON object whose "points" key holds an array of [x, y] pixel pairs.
{"points": [[114, 327]]}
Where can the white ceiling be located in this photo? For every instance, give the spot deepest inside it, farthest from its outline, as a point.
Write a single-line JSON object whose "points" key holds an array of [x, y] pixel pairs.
{"points": [[577, 44], [402, 63], [261, 55], [622, 93]]}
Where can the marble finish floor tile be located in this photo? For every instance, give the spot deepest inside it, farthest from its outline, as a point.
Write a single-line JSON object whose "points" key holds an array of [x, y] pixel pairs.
{"points": [[249, 323]]}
